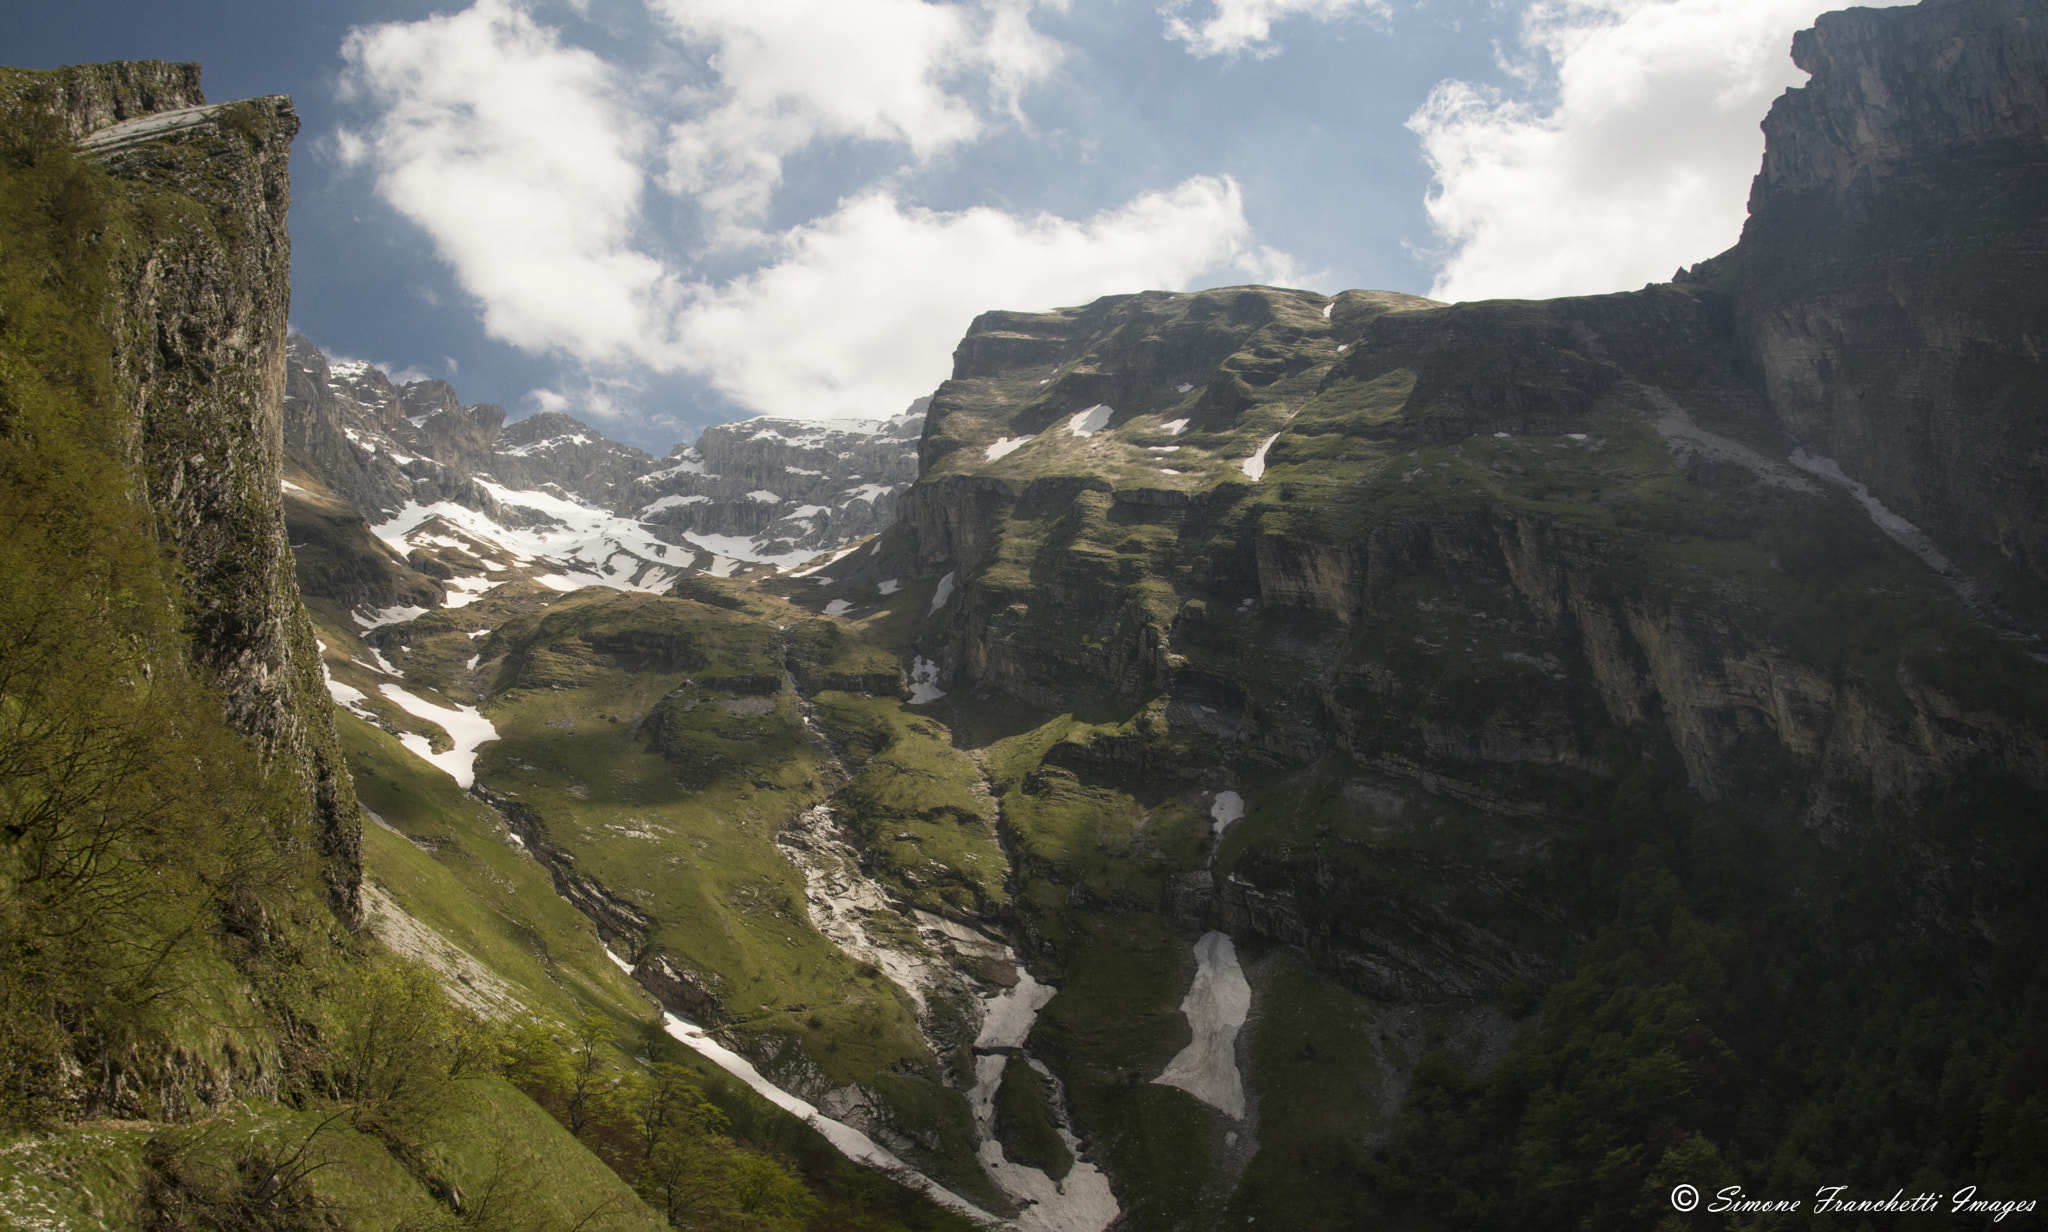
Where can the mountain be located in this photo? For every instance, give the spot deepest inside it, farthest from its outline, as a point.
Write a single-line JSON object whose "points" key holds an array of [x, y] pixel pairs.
{"points": [[213, 1012], [1318, 761], [469, 502], [1349, 759]]}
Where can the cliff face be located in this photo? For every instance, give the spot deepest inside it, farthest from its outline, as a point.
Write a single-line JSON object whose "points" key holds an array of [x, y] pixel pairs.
{"points": [[1893, 275], [1507, 554], [199, 322], [788, 485]]}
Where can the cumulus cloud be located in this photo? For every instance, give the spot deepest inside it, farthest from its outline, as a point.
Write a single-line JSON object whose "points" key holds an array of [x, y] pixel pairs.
{"points": [[794, 72], [522, 158], [528, 162], [862, 309], [1637, 159], [1247, 25]]}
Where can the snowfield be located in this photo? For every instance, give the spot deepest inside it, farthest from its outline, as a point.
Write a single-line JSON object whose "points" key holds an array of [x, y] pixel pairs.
{"points": [[1216, 1007]]}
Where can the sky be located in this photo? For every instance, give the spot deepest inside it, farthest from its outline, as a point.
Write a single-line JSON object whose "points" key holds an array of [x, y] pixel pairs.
{"points": [[661, 214]]}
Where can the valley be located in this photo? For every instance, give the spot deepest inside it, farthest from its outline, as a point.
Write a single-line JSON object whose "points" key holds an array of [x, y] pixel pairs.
{"points": [[1243, 756]]}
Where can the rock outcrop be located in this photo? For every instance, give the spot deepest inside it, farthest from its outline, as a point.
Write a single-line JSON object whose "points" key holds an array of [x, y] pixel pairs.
{"points": [[199, 324], [1505, 555], [1891, 285]]}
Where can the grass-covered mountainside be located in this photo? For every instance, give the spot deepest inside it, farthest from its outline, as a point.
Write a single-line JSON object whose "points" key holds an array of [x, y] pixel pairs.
{"points": [[1300, 761], [198, 1029]]}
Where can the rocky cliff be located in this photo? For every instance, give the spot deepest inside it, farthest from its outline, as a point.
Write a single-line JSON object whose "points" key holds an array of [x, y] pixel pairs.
{"points": [[1889, 282], [201, 291], [465, 502], [791, 487]]}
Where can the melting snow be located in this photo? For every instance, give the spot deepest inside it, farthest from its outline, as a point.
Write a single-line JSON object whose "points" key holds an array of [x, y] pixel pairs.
{"points": [[1255, 466], [890, 587], [1007, 1017], [1216, 1007], [944, 593], [387, 616], [1229, 808], [850, 1142], [867, 492], [1327, 307], [924, 682], [1174, 427], [684, 467], [578, 534], [1090, 421], [464, 591], [520, 451], [838, 607], [845, 551], [1005, 446], [739, 547], [1082, 1202], [672, 502], [464, 725], [1182, 388], [764, 496]]}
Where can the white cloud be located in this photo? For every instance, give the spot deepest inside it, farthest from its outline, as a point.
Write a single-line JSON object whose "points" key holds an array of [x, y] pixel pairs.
{"points": [[1247, 25], [1639, 162], [862, 310], [793, 72], [521, 157], [526, 160]]}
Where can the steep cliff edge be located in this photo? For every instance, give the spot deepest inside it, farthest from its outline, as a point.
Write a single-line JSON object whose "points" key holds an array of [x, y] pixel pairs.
{"points": [[1892, 281], [199, 322]]}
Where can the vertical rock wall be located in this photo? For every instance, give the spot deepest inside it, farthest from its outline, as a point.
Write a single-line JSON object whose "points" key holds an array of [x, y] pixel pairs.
{"points": [[1893, 290], [203, 291]]}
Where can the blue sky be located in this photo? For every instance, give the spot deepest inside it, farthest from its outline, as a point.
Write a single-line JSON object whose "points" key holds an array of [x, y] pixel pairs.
{"points": [[659, 214]]}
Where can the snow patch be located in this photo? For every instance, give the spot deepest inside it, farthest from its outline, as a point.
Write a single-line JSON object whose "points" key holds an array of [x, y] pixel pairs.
{"points": [[1005, 446], [672, 502], [849, 1141], [1090, 421], [387, 616], [1174, 427], [924, 682], [684, 467], [1228, 810], [838, 607], [1216, 1007], [464, 591], [944, 593], [849, 550], [1326, 309], [1255, 466], [890, 587], [464, 724]]}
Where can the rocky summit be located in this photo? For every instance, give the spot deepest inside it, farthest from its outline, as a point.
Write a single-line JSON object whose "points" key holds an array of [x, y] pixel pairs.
{"points": [[450, 501], [1251, 756]]}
